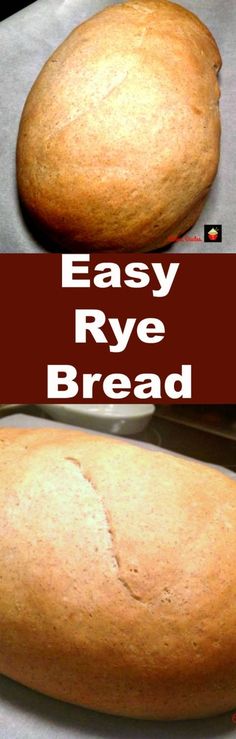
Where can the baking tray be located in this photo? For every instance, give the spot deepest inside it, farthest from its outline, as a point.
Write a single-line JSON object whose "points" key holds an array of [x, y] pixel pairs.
{"points": [[28, 38], [25, 714]]}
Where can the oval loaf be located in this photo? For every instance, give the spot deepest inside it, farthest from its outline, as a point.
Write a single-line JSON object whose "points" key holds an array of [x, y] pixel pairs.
{"points": [[117, 575], [119, 138]]}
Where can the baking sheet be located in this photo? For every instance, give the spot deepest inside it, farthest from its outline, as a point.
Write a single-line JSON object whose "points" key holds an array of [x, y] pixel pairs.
{"points": [[25, 714], [27, 421], [26, 41]]}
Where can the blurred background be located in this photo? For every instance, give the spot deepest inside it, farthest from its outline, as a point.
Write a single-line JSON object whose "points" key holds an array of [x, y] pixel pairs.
{"points": [[205, 432]]}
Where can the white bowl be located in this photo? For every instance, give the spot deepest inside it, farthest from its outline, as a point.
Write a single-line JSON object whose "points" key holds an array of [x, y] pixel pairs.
{"points": [[113, 418]]}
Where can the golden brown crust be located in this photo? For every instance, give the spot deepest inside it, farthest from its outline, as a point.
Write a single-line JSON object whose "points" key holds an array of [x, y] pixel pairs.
{"points": [[117, 575], [119, 138]]}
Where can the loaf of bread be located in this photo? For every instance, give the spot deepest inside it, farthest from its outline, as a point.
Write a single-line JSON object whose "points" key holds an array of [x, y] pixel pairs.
{"points": [[119, 138], [117, 575]]}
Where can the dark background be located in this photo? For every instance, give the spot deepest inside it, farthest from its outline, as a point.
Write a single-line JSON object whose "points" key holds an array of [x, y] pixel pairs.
{"points": [[8, 8]]}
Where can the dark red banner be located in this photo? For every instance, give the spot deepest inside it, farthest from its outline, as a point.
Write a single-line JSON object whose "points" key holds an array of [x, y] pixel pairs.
{"points": [[147, 327]]}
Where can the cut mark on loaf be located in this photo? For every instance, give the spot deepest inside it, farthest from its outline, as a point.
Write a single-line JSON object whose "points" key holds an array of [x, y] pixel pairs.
{"points": [[140, 8], [109, 528], [119, 79]]}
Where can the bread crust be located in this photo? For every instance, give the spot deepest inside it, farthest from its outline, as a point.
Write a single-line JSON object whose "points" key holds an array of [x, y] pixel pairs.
{"points": [[117, 575], [119, 139]]}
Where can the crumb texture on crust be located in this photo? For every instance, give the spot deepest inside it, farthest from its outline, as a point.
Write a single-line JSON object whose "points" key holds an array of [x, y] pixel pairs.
{"points": [[119, 138], [117, 575]]}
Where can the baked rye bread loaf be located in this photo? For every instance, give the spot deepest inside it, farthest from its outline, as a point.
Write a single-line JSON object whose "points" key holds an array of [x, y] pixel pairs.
{"points": [[117, 575], [119, 138]]}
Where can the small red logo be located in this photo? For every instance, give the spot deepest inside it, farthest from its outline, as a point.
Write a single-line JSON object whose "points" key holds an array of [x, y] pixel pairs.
{"points": [[233, 717], [213, 234]]}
